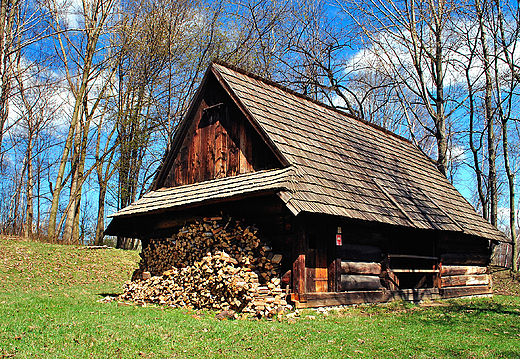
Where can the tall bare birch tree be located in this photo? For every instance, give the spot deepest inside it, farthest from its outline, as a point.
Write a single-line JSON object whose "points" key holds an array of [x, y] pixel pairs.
{"points": [[505, 40], [412, 40], [21, 25], [78, 51]]}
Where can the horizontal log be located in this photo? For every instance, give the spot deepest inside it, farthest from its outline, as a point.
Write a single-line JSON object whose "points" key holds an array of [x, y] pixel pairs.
{"points": [[360, 253], [412, 256], [359, 282], [465, 280], [398, 270], [456, 247], [370, 268], [474, 259], [312, 300], [462, 270], [454, 292]]}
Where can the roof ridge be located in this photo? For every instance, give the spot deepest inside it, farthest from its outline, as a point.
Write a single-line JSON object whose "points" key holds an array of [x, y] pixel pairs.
{"points": [[307, 98]]}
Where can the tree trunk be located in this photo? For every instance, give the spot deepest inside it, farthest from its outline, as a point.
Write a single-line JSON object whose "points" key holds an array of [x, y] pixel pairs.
{"points": [[100, 226], [8, 12], [492, 174], [29, 216]]}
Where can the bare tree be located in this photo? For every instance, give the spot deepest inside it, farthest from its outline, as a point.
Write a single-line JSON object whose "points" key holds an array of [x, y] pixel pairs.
{"points": [[411, 40], [82, 64], [21, 25], [505, 41]]}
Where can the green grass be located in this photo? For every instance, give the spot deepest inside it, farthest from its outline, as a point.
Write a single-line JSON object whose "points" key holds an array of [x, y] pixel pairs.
{"points": [[49, 309]]}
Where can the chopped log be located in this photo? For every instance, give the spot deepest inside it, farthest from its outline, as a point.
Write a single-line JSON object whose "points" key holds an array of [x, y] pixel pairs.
{"points": [[466, 280], [286, 278], [215, 282], [462, 270], [209, 265], [146, 275], [473, 259], [359, 282], [369, 268], [277, 258]]}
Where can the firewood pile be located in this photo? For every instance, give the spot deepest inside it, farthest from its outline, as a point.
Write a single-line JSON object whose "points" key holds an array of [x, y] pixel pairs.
{"points": [[213, 264], [195, 240]]}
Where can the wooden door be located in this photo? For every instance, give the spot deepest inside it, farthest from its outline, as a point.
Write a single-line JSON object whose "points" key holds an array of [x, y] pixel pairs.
{"points": [[316, 265]]}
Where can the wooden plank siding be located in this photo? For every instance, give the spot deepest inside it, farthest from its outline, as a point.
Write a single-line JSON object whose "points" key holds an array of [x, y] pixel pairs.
{"points": [[219, 142]]}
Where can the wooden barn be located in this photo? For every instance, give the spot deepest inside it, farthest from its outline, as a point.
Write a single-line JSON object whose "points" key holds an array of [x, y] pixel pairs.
{"points": [[359, 213]]}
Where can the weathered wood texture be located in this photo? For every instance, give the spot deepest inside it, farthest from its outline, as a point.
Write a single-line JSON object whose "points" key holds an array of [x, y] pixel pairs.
{"points": [[317, 279], [359, 253], [358, 297], [390, 279], [298, 274], [236, 287], [466, 280], [312, 300], [360, 268], [474, 259], [351, 168], [454, 292], [218, 142], [359, 282], [447, 270], [239, 187]]}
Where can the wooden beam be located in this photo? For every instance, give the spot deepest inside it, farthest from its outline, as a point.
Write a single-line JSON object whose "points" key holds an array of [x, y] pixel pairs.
{"points": [[474, 259], [330, 299], [369, 268], [412, 256], [299, 274], [373, 296], [359, 282], [466, 280], [398, 270], [454, 292], [462, 270]]}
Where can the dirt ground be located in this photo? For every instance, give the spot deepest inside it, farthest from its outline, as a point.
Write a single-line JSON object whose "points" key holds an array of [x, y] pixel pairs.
{"points": [[504, 282]]}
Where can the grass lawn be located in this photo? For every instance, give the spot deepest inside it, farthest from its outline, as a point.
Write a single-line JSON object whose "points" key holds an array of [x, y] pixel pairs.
{"points": [[49, 309]]}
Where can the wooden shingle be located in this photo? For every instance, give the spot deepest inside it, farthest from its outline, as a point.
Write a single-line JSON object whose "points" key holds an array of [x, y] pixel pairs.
{"points": [[351, 168], [334, 163]]}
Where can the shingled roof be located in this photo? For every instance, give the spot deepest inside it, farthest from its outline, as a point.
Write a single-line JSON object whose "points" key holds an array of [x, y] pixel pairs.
{"points": [[340, 165]]}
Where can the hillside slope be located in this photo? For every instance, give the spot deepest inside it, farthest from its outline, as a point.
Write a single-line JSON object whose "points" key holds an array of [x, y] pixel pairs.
{"points": [[49, 308]]}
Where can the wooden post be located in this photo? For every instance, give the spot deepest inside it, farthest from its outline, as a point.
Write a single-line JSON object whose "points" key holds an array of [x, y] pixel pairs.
{"points": [[332, 275], [299, 246], [299, 274]]}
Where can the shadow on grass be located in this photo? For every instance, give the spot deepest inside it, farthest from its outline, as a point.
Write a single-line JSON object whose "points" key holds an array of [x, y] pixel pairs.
{"points": [[104, 295], [483, 307]]}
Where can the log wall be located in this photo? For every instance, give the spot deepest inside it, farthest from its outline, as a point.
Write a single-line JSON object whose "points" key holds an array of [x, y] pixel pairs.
{"points": [[461, 280]]}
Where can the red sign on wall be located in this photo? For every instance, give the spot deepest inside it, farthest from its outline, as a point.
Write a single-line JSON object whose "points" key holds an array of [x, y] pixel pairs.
{"points": [[339, 242]]}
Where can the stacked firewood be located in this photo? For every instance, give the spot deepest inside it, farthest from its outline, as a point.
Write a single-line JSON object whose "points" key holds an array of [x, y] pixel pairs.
{"points": [[213, 264], [194, 240], [215, 282]]}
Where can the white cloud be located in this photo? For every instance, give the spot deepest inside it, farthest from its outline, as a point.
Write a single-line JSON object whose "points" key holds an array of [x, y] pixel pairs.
{"points": [[391, 54], [456, 153], [70, 12]]}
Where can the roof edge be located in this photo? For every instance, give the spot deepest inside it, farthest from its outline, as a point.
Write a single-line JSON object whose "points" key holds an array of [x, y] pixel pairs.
{"points": [[297, 94]]}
